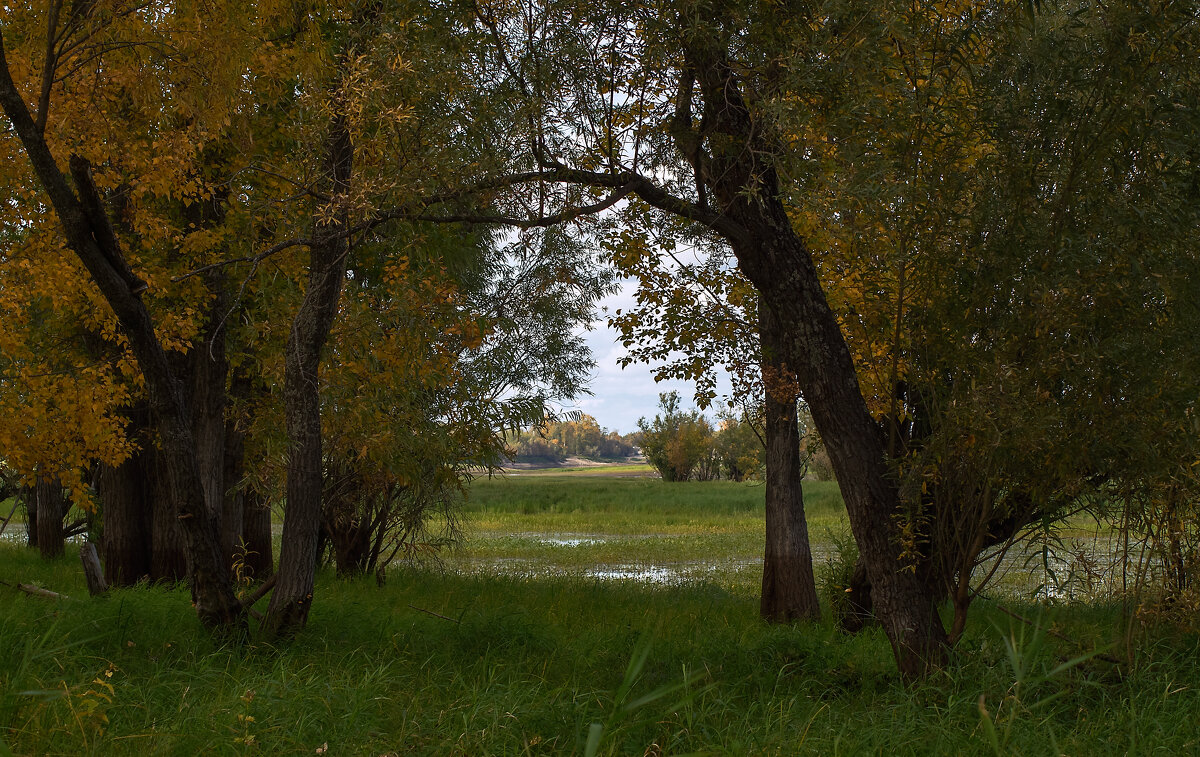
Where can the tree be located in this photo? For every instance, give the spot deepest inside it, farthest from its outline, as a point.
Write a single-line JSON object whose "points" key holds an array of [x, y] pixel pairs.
{"points": [[700, 315], [559, 439], [739, 448], [676, 443], [685, 114], [89, 233], [1011, 133]]}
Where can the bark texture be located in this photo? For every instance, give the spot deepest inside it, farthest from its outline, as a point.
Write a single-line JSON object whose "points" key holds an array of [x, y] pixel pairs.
{"points": [[92, 571], [125, 504], [257, 544], [246, 518], [51, 538], [789, 591], [292, 598]]}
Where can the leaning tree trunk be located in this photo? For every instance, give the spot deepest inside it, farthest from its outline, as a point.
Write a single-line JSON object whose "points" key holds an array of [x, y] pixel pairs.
{"points": [[50, 505], [293, 592], [789, 591], [90, 236], [744, 182], [904, 604]]}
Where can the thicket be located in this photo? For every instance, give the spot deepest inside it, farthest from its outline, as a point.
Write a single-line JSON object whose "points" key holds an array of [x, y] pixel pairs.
{"points": [[582, 437], [683, 445]]}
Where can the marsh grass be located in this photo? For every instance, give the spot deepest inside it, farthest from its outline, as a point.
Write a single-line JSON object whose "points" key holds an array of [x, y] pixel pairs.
{"points": [[533, 664]]}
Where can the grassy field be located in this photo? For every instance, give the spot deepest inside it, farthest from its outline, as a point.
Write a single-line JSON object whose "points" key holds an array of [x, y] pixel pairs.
{"points": [[456, 660], [589, 524]]}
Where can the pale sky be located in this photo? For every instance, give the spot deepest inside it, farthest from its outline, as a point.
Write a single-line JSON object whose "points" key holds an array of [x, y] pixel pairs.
{"points": [[621, 396]]}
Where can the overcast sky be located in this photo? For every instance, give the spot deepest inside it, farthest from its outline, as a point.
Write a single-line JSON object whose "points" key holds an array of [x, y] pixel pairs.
{"points": [[621, 396]]}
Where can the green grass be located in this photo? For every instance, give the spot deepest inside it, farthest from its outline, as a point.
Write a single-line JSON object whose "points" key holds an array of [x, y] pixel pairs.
{"points": [[697, 530], [585, 501], [527, 665]]}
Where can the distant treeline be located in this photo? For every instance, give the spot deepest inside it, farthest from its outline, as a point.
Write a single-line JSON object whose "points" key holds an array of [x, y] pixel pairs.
{"points": [[579, 438]]}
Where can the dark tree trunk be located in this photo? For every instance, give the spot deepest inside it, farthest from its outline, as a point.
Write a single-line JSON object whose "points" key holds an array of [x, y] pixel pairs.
{"points": [[789, 591], [904, 604], [246, 524], [743, 180], [209, 368], [857, 613], [168, 555], [90, 235], [29, 505], [125, 503], [292, 597], [51, 538], [208, 372], [257, 541], [233, 500]]}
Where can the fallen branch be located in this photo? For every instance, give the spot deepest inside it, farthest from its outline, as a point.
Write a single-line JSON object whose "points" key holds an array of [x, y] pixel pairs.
{"points": [[258, 594], [1056, 634], [36, 591], [434, 614]]}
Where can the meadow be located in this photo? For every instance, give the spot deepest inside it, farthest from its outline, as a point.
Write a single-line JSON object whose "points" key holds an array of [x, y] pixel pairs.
{"points": [[548, 632]]}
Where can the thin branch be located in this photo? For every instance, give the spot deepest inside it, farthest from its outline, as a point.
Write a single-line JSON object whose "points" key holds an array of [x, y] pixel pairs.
{"points": [[274, 249], [434, 614], [11, 513], [570, 214], [49, 64]]}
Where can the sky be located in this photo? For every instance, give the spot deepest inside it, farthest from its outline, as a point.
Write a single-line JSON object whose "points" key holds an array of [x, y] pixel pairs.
{"points": [[621, 396]]}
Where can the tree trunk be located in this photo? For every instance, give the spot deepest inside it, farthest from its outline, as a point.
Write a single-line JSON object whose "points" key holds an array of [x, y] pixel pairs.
{"points": [[744, 182], [789, 591], [257, 539], [209, 369], [50, 510], [92, 570], [233, 500], [125, 504], [292, 597], [857, 612], [28, 496], [168, 553], [89, 234], [208, 372], [904, 604]]}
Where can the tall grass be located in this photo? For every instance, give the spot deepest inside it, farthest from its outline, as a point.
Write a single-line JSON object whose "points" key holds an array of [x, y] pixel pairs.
{"points": [[519, 666], [436, 662], [530, 495]]}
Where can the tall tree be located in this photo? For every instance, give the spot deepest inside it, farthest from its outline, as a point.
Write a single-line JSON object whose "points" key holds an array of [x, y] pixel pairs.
{"points": [[89, 234], [683, 78]]}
